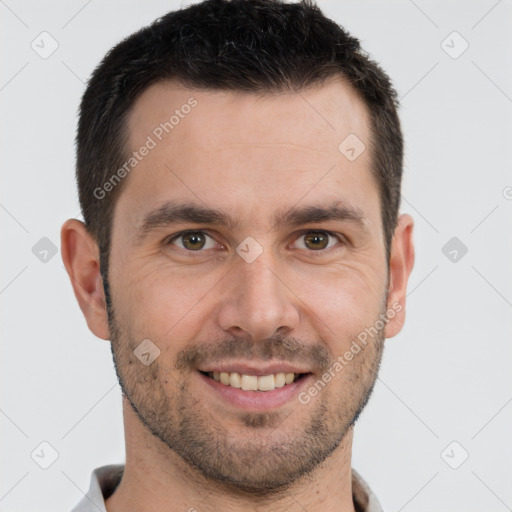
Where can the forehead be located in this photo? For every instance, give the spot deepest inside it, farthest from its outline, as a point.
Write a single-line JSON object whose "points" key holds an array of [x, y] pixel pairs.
{"points": [[208, 119], [246, 151]]}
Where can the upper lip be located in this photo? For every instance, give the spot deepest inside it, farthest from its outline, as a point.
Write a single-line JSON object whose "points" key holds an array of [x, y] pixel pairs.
{"points": [[252, 369]]}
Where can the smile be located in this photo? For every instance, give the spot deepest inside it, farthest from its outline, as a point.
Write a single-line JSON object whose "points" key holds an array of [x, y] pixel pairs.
{"points": [[254, 382]]}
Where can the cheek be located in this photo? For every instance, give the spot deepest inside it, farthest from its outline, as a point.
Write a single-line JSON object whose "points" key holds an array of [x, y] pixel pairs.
{"points": [[162, 302], [343, 305], [167, 302]]}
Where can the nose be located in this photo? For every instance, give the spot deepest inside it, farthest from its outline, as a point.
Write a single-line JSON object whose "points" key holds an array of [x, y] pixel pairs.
{"points": [[258, 302]]}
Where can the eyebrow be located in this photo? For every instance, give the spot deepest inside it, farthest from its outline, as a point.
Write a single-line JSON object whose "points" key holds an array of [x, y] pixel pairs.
{"points": [[172, 212]]}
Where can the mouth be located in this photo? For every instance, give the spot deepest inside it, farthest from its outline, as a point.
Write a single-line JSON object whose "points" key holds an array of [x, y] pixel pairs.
{"points": [[254, 389], [247, 382]]}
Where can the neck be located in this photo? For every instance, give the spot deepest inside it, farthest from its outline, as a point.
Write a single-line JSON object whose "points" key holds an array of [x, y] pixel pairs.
{"points": [[156, 479]]}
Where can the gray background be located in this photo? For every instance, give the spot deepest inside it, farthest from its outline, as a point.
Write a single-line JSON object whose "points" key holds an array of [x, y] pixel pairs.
{"points": [[446, 378]]}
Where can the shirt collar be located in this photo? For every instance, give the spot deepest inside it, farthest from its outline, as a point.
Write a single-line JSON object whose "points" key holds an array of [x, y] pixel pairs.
{"points": [[105, 479]]}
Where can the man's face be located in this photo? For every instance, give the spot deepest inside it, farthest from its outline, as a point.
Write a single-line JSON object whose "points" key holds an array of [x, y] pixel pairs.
{"points": [[278, 288]]}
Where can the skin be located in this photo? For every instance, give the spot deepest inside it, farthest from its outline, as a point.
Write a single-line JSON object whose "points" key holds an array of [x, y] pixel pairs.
{"points": [[252, 156]]}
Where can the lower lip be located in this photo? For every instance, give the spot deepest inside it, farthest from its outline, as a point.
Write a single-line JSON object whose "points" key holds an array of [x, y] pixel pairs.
{"points": [[257, 400]]}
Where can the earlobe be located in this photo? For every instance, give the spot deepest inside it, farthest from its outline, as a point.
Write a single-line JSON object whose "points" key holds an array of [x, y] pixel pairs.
{"points": [[80, 255], [400, 266]]}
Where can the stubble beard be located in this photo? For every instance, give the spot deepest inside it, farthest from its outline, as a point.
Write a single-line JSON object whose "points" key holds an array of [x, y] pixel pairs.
{"points": [[268, 452]]}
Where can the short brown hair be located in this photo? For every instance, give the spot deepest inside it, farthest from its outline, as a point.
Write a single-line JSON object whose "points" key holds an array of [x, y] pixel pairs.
{"points": [[241, 45]]}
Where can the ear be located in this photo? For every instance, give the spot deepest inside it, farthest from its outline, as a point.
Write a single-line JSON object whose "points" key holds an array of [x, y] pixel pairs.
{"points": [[80, 255], [401, 262]]}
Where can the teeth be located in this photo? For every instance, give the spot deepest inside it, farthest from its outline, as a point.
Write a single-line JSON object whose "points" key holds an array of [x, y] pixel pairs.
{"points": [[249, 383], [253, 382], [279, 380], [266, 383], [235, 380]]}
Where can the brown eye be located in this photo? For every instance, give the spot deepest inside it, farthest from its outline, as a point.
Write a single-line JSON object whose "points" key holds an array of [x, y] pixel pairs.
{"points": [[317, 240], [192, 241]]}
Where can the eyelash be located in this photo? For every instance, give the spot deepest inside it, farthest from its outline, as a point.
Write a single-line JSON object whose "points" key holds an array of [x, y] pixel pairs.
{"points": [[169, 240]]}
